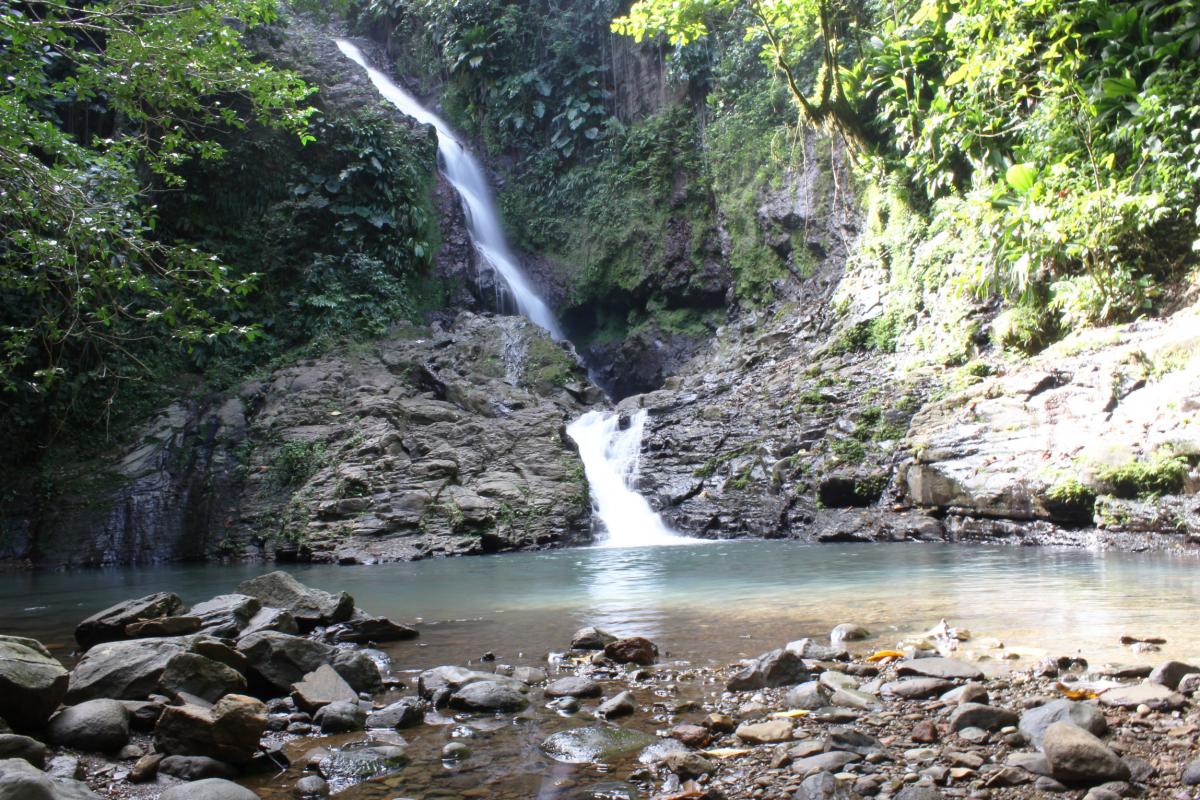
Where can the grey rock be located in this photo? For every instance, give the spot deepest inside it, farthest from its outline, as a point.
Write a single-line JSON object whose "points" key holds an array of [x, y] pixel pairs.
{"points": [[777, 668], [310, 607], [814, 650], [162, 626], [322, 687], [978, 715], [1189, 684], [143, 714], [444, 681], [94, 725], [620, 705], [848, 632], [404, 713], [226, 615], [20, 780], [967, 693], [359, 670], [32, 682], [341, 717], [128, 670], [852, 741], [853, 698], [529, 675], [1086, 715], [825, 762], [109, 625], [14, 745], [573, 686], [917, 688], [687, 764], [1170, 673], [1045, 783], [271, 619], [193, 674], [209, 789], [1191, 774], [591, 638], [810, 696], [1030, 762], [280, 659], [1076, 757], [599, 743], [819, 786], [918, 792], [1156, 696], [195, 768], [936, 667], [488, 696], [364, 629], [65, 767]]}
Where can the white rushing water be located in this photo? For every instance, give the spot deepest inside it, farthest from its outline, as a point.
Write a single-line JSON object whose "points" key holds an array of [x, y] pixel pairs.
{"points": [[610, 457], [467, 178]]}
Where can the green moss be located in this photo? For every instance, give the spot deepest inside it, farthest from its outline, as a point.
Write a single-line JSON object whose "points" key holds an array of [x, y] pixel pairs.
{"points": [[849, 451], [1144, 479], [1069, 499], [295, 463], [547, 364]]}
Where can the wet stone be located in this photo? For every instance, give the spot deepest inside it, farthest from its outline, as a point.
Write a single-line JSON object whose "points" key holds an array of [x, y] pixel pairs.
{"points": [[573, 687]]}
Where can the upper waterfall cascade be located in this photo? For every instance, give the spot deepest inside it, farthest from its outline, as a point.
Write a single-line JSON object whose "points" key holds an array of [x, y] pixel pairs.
{"points": [[468, 179], [610, 457]]}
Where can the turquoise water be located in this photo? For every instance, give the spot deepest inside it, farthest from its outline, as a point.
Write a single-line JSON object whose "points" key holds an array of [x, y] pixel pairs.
{"points": [[710, 602]]}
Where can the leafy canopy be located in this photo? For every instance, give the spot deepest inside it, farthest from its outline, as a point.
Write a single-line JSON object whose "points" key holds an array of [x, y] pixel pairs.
{"points": [[102, 104]]}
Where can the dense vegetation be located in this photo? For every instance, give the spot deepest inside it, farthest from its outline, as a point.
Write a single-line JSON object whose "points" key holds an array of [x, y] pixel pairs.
{"points": [[172, 203]]}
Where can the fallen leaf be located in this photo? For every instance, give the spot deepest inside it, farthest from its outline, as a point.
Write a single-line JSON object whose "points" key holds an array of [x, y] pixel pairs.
{"points": [[884, 654], [795, 712], [1075, 694]]}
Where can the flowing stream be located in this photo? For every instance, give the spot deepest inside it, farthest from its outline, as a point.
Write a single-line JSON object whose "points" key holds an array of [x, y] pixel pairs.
{"points": [[468, 179], [610, 458]]}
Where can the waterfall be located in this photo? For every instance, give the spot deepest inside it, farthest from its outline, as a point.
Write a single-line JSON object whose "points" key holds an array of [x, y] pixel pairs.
{"points": [[464, 173], [610, 458]]}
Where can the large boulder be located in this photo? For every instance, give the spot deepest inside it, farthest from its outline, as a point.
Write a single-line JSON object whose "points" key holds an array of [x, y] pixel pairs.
{"points": [[209, 789], [280, 659], [32, 682], [20, 780], [271, 619], [1035, 721], [1077, 758], [777, 668], [109, 625], [359, 670], [100, 726], [128, 670], [226, 615], [404, 713], [193, 674], [229, 731], [341, 716], [310, 607]]}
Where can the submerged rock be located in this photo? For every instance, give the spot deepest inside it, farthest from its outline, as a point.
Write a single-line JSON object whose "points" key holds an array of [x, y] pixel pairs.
{"points": [[32, 682], [573, 686], [594, 744], [357, 763], [109, 625]]}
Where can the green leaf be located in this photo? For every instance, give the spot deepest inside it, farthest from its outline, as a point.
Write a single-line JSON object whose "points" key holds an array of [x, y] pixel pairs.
{"points": [[1021, 177]]}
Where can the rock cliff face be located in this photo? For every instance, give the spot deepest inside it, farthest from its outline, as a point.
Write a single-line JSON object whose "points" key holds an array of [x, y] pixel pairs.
{"points": [[431, 442]]}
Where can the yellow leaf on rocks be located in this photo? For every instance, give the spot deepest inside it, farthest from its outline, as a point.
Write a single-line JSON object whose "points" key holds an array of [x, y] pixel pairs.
{"points": [[727, 752], [1075, 694], [795, 712], [884, 654]]}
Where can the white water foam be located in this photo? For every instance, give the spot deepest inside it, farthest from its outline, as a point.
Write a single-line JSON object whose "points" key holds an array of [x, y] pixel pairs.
{"points": [[467, 178], [611, 458]]}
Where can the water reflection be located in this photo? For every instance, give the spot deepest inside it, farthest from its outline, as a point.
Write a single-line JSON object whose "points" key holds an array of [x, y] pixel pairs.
{"points": [[625, 589]]}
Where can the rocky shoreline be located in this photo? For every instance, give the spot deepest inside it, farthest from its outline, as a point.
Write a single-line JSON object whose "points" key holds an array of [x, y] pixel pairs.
{"points": [[282, 691]]}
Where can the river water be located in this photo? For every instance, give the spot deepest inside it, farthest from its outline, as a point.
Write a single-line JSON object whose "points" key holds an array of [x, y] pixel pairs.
{"points": [[707, 603]]}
